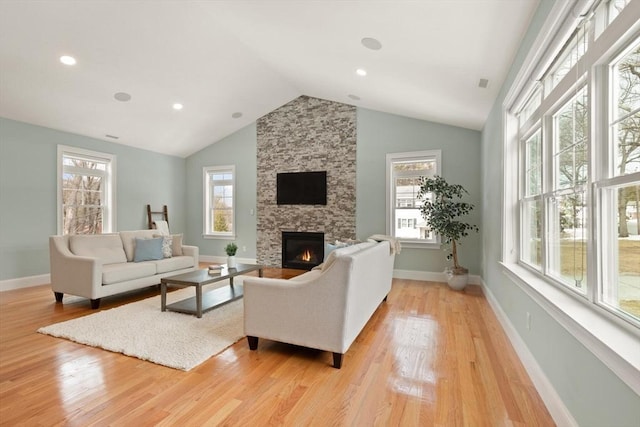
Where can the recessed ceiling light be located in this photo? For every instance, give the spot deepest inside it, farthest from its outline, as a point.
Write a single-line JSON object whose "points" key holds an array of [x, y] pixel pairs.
{"points": [[371, 43], [122, 96], [354, 97], [177, 106], [68, 60], [236, 115], [361, 72]]}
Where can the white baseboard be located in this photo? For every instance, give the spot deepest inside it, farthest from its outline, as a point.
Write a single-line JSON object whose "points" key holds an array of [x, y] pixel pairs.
{"points": [[430, 276], [548, 394], [24, 282]]}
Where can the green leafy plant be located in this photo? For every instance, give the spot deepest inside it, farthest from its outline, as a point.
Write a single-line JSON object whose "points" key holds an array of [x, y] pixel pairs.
{"points": [[441, 210], [231, 249]]}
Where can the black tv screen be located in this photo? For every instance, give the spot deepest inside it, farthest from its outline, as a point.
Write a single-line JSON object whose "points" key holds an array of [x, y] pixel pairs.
{"points": [[302, 188]]}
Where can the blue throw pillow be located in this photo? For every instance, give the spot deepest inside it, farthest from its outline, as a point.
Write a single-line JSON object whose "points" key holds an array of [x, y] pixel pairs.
{"points": [[328, 248], [148, 249]]}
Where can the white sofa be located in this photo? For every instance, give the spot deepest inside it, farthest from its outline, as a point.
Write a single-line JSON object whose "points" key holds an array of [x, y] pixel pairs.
{"points": [[96, 266], [324, 308]]}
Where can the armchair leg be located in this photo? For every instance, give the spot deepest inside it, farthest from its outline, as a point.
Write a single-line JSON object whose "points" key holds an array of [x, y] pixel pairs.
{"points": [[385, 298], [58, 296], [95, 303], [253, 343], [337, 360]]}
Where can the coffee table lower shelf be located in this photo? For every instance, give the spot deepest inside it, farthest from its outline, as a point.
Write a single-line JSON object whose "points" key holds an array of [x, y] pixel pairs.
{"points": [[210, 300]]}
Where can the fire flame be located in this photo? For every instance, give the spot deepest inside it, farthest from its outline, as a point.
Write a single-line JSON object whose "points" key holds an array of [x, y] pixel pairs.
{"points": [[306, 256]]}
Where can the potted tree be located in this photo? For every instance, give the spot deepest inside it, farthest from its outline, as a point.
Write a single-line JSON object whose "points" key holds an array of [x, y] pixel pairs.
{"points": [[231, 249], [441, 210]]}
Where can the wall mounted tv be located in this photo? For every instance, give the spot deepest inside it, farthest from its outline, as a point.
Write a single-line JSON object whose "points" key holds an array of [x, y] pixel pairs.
{"points": [[302, 188]]}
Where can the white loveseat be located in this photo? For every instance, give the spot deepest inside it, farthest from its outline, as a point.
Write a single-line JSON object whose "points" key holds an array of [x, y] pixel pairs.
{"points": [[96, 266], [324, 308]]}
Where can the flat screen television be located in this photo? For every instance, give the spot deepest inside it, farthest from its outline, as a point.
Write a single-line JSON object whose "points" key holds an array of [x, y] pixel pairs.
{"points": [[302, 188]]}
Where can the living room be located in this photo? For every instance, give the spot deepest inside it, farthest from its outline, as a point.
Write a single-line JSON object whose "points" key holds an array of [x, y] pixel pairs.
{"points": [[588, 389]]}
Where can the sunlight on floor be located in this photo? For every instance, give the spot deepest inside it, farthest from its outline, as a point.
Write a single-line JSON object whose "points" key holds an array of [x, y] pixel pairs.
{"points": [[415, 350], [77, 377]]}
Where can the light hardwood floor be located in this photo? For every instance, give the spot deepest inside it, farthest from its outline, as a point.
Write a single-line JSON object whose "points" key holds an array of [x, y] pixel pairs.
{"points": [[429, 356]]}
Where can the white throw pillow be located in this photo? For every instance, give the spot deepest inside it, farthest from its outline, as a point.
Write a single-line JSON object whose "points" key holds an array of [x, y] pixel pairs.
{"points": [[167, 245]]}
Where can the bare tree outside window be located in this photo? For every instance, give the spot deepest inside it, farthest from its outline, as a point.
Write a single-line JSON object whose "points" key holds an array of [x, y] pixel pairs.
{"points": [[85, 182]]}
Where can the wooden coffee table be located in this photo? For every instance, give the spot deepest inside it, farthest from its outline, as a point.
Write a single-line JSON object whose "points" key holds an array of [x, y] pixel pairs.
{"points": [[202, 303]]}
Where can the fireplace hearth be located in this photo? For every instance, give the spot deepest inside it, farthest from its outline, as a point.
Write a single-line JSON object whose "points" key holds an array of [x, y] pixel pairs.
{"points": [[302, 250]]}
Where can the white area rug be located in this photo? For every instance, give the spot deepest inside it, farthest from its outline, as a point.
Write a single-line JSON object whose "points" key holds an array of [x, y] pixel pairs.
{"points": [[141, 330]]}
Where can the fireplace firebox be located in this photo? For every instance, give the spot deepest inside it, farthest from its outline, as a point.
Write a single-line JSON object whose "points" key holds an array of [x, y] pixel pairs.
{"points": [[302, 250]]}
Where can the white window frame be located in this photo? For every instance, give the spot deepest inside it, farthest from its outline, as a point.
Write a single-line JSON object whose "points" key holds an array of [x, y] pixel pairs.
{"points": [[391, 158], [108, 189], [608, 336], [206, 221]]}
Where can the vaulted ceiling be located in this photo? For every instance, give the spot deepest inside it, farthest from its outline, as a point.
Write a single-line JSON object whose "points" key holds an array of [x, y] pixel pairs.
{"points": [[230, 62]]}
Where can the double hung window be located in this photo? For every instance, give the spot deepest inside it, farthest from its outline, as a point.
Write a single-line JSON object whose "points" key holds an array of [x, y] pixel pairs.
{"points": [[86, 191], [578, 143], [404, 173], [219, 201]]}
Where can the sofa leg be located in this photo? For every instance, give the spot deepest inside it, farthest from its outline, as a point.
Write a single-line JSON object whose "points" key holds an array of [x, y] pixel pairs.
{"points": [[58, 296], [253, 343], [337, 360], [95, 303]]}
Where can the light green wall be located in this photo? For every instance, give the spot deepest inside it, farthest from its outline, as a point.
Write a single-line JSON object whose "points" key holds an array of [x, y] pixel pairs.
{"points": [[594, 395], [381, 133], [237, 149], [378, 133], [28, 157]]}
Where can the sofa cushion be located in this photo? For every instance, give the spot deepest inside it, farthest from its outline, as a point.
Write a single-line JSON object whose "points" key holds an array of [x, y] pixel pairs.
{"points": [[106, 247], [115, 273], [177, 244], [172, 264], [148, 249], [347, 250], [129, 240]]}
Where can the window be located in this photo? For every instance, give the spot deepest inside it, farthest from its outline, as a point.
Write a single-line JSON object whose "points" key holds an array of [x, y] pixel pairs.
{"points": [[404, 220], [219, 196], [619, 189], [86, 191], [578, 143], [615, 7], [531, 242]]}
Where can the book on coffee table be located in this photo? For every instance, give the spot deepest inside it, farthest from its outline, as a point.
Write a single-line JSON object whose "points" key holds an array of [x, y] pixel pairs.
{"points": [[215, 269]]}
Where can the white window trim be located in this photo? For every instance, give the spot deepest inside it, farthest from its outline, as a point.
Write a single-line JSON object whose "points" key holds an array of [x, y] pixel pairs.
{"points": [[206, 201], [390, 201], [612, 340], [109, 213]]}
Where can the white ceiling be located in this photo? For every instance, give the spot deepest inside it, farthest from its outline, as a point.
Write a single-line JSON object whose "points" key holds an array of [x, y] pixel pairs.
{"points": [[248, 56]]}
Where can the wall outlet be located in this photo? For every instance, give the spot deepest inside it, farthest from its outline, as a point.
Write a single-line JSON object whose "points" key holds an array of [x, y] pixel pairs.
{"points": [[244, 249], [528, 321]]}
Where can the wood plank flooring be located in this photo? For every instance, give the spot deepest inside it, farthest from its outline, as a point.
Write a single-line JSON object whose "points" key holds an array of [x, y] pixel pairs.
{"points": [[429, 356]]}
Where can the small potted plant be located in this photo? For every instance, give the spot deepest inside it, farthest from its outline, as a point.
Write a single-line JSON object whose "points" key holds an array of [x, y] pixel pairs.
{"points": [[441, 211], [231, 250]]}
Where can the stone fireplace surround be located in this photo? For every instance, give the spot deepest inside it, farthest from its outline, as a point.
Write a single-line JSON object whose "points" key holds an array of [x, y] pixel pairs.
{"points": [[306, 134]]}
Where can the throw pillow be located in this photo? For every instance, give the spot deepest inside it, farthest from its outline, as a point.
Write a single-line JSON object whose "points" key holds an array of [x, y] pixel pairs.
{"points": [[147, 249], [328, 248], [177, 244], [167, 245]]}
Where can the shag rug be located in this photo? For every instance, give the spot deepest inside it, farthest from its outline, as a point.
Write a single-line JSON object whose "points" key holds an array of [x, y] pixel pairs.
{"points": [[141, 330]]}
